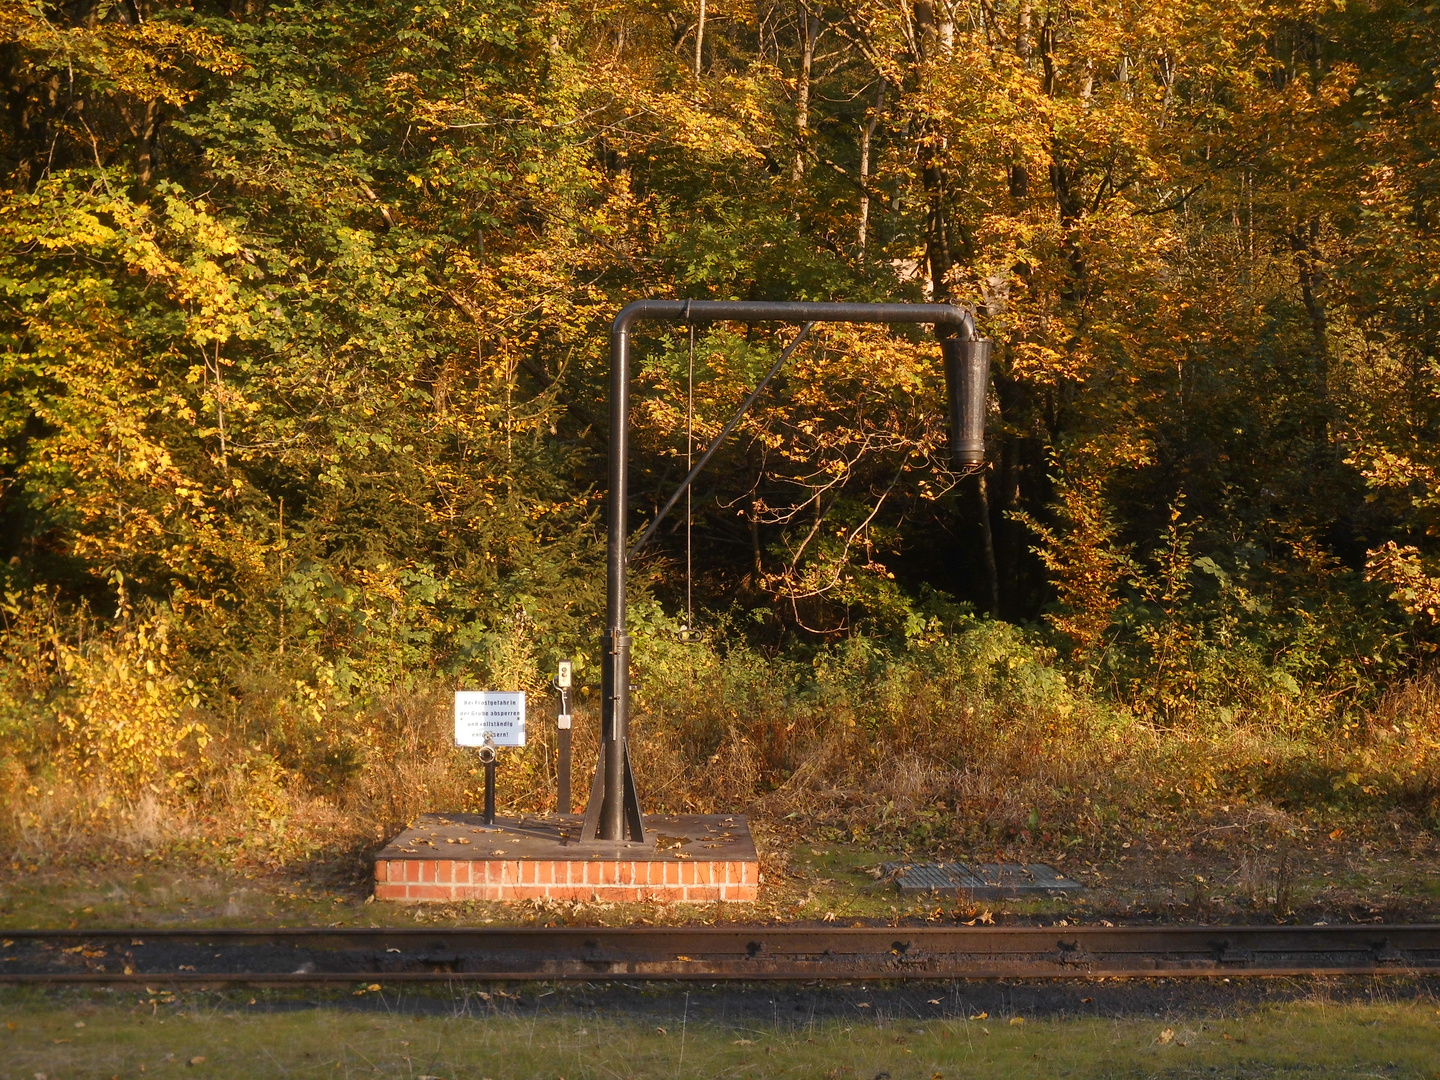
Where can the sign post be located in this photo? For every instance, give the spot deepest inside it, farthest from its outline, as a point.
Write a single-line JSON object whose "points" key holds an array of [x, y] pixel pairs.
{"points": [[487, 758], [562, 721], [488, 720]]}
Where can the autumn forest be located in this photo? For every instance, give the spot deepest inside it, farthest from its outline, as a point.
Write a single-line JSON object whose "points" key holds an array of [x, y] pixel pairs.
{"points": [[304, 316]]}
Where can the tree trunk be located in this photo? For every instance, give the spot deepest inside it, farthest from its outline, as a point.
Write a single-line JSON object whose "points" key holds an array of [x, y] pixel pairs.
{"points": [[809, 27], [1304, 242], [979, 499], [934, 40], [867, 134], [699, 39], [149, 141]]}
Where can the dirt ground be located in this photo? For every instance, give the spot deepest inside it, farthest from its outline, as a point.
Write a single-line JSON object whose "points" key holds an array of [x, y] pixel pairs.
{"points": [[1242, 865]]}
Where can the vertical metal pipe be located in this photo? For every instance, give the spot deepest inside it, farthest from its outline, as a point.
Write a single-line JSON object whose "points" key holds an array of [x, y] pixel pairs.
{"points": [[615, 677]]}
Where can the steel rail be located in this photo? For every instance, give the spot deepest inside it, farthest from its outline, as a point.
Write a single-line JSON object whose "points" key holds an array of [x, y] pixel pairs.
{"points": [[199, 956]]}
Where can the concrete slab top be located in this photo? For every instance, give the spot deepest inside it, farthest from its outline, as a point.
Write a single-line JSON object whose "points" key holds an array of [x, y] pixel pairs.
{"points": [[673, 838]]}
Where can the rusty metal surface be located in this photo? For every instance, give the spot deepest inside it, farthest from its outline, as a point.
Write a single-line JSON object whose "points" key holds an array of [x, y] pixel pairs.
{"points": [[293, 956]]}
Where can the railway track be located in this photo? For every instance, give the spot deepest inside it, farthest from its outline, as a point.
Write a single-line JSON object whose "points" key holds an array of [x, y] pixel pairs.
{"points": [[204, 957]]}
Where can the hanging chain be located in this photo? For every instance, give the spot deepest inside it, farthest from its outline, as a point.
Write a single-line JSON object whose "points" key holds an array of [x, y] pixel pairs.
{"points": [[689, 452]]}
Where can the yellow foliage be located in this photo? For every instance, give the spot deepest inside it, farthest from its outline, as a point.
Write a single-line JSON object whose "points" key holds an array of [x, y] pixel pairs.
{"points": [[142, 61], [1082, 553], [128, 717], [1415, 590]]}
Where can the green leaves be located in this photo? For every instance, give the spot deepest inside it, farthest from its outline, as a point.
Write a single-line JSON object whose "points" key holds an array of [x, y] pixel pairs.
{"points": [[291, 297]]}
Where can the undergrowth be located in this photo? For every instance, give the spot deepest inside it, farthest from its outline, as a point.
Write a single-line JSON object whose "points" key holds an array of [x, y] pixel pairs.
{"points": [[972, 734]]}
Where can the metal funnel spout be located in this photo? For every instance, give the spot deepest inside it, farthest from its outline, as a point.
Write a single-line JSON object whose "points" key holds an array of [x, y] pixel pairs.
{"points": [[967, 380]]}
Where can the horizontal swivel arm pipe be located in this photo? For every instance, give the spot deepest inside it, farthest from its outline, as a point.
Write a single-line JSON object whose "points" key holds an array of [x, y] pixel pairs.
{"points": [[792, 311], [616, 812]]}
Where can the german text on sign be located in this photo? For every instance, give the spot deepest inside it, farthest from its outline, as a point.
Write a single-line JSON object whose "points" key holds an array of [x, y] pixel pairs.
{"points": [[494, 715]]}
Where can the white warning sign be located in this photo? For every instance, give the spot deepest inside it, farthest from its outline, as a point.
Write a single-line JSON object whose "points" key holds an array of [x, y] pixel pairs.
{"points": [[498, 715]]}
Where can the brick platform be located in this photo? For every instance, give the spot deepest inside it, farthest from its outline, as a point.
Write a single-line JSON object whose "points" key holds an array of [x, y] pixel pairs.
{"points": [[448, 857]]}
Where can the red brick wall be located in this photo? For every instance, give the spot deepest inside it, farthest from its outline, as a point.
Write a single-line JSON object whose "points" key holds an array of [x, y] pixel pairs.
{"points": [[563, 879]]}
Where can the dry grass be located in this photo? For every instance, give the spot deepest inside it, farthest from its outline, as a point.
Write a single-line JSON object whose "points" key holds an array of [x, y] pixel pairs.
{"points": [[974, 741]]}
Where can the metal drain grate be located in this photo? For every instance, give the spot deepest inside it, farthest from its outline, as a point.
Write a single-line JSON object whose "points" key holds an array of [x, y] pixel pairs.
{"points": [[983, 881]]}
